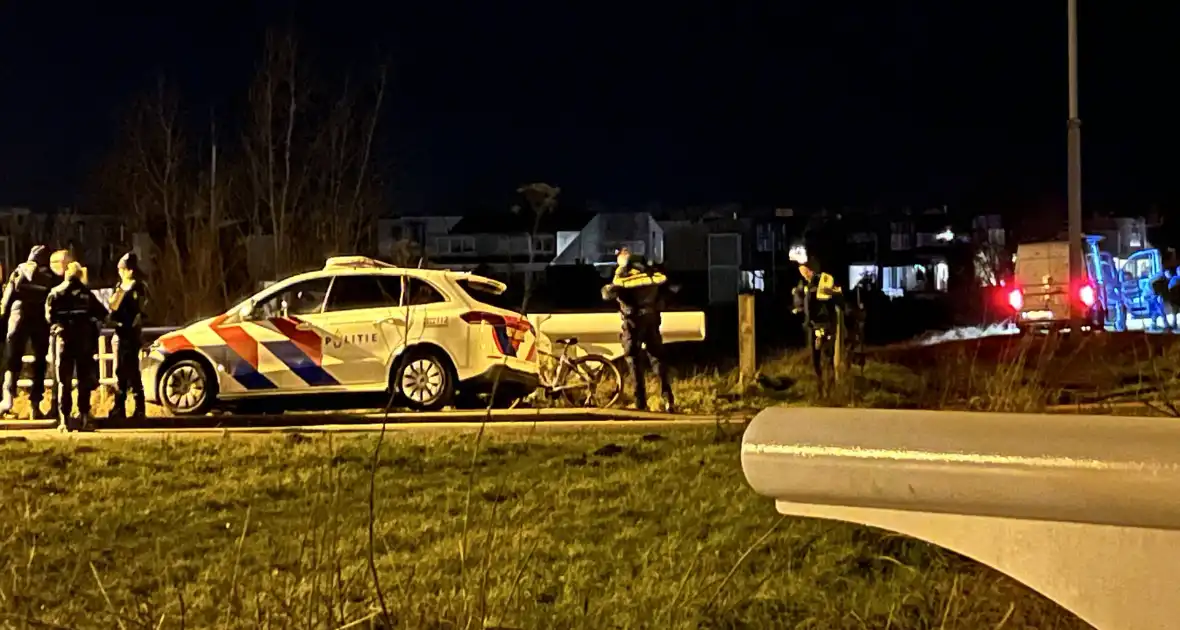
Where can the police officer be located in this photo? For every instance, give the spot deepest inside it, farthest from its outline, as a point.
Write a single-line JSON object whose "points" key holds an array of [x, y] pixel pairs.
{"points": [[127, 307], [23, 305], [75, 314], [637, 291], [819, 299]]}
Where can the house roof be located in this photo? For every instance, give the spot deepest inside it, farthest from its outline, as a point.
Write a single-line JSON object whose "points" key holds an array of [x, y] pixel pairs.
{"points": [[520, 222]]}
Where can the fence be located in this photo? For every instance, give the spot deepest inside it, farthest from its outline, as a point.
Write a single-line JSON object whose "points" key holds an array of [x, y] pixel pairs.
{"points": [[107, 359]]}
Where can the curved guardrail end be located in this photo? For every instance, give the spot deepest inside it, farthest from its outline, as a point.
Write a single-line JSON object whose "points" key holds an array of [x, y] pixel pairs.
{"points": [[1083, 509]]}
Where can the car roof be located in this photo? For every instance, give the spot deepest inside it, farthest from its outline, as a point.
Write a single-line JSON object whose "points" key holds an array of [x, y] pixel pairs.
{"points": [[384, 269]]}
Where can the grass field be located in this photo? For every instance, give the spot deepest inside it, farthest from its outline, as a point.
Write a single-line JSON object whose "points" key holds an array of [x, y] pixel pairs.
{"points": [[595, 529]]}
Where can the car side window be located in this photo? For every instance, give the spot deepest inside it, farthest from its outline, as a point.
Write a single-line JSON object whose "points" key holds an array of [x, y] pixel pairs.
{"points": [[301, 298], [420, 292], [351, 293]]}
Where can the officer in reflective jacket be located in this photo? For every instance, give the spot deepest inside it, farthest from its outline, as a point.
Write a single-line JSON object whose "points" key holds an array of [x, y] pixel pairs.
{"points": [[74, 314], [23, 305], [819, 299], [127, 306], [637, 291]]}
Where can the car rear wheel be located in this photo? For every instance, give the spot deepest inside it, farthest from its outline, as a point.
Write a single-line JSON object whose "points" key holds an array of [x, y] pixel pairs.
{"points": [[187, 388], [424, 381]]}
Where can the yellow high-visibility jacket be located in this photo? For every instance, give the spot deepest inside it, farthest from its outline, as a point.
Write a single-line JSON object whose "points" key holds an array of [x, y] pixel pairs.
{"points": [[632, 278], [827, 288], [637, 291]]}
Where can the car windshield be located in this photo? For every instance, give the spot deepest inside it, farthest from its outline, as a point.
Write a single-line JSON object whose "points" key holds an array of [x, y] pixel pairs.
{"points": [[246, 296], [488, 295]]}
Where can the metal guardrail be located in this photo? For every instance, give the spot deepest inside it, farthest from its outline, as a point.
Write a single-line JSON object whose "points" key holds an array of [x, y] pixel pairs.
{"points": [[1084, 509], [106, 358]]}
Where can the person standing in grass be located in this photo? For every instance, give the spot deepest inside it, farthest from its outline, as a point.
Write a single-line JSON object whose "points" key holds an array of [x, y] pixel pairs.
{"points": [[819, 299], [23, 306], [637, 290], [1159, 304], [127, 307], [75, 314], [1174, 299]]}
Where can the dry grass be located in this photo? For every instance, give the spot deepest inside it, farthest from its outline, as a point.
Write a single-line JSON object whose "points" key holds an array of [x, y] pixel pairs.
{"points": [[587, 529], [100, 405], [999, 374]]}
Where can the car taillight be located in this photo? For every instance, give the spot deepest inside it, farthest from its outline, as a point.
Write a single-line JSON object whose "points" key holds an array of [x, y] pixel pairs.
{"points": [[476, 317], [1086, 294], [1016, 299]]}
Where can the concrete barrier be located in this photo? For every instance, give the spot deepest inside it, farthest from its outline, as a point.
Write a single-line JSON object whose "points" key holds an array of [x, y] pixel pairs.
{"points": [[1083, 509]]}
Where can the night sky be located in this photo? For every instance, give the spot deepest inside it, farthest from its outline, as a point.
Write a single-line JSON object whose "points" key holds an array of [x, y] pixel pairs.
{"points": [[783, 102]]}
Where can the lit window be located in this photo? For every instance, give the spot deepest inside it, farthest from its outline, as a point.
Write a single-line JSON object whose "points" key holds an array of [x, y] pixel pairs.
{"points": [[754, 280]]}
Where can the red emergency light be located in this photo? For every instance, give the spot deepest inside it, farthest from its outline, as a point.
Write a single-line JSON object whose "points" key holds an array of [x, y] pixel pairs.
{"points": [[1086, 293], [1016, 299]]}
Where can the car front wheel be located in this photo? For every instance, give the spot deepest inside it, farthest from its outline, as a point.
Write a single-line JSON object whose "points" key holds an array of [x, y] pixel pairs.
{"points": [[187, 388]]}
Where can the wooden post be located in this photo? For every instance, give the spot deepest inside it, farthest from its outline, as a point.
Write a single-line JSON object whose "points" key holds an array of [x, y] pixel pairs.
{"points": [[838, 341], [747, 364]]}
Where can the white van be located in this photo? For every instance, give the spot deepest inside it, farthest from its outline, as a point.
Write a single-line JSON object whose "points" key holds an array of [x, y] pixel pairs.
{"points": [[1047, 293]]}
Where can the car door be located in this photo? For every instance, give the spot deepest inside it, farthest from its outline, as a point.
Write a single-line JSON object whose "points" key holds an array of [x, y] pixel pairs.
{"points": [[278, 347], [361, 320]]}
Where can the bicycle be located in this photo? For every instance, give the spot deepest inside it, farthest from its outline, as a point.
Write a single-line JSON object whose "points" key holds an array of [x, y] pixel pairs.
{"points": [[596, 381]]}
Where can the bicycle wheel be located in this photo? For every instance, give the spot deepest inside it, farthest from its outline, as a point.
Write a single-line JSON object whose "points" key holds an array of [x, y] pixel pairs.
{"points": [[592, 381]]}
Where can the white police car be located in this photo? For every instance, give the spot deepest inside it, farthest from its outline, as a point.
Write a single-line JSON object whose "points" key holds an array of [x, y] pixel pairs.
{"points": [[357, 325]]}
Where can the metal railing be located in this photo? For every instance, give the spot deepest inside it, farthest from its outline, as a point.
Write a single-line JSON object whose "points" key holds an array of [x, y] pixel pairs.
{"points": [[1082, 509], [107, 358]]}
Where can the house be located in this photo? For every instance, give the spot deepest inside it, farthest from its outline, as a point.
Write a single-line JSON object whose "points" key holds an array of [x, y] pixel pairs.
{"points": [[1122, 235], [711, 249], [914, 251], [503, 245], [598, 240], [395, 234]]}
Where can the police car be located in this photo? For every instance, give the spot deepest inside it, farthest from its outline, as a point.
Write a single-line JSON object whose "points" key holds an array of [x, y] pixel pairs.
{"points": [[357, 325]]}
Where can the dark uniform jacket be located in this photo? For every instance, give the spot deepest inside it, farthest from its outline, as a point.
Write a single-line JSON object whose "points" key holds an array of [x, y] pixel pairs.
{"points": [[817, 299], [1159, 285], [74, 312], [127, 307], [637, 290], [25, 295]]}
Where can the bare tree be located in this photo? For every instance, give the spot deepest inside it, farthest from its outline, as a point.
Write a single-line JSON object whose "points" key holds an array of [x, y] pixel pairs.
{"points": [[407, 253], [346, 189], [154, 180], [542, 201], [278, 99], [993, 263], [301, 180], [310, 175]]}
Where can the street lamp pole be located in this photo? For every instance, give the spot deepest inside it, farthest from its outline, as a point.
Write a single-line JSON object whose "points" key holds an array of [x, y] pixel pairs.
{"points": [[1074, 148]]}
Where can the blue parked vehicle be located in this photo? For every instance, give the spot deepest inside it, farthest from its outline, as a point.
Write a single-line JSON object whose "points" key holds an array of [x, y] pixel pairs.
{"points": [[1047, 294], [1124, 289]]}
